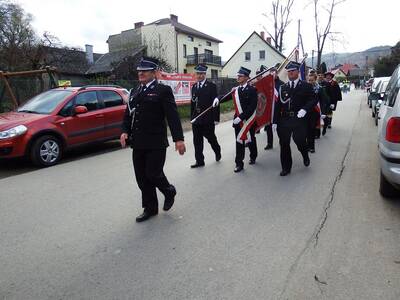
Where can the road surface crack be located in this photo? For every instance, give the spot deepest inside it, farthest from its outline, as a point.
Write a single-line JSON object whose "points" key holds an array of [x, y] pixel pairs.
{"points": [[318, 229]]}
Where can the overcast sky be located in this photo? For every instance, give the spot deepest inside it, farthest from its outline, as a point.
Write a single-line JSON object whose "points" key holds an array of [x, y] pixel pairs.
{"points": [[364, 24]]}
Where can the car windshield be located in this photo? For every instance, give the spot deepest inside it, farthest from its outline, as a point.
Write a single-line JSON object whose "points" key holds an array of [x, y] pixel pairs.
{"points": [[46, 102]]}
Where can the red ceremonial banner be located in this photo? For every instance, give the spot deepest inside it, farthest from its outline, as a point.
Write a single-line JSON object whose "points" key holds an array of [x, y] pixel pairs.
{"points": [[181, 85], [265, 105]]}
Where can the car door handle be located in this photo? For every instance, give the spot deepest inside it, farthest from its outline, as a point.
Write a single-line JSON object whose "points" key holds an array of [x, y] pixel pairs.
{"points": [[99, 116]]}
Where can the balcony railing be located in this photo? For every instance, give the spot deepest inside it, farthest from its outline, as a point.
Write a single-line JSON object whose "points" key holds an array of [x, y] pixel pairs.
{"points": [[204, 59]]}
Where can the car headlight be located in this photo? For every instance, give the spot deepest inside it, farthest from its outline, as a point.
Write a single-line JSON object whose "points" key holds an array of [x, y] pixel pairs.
{"points": [[13, 132]]}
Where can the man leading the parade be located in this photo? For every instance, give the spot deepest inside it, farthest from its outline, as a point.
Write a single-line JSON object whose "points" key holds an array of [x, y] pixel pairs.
{"points": [[204, 93], [144, 129], [296, 98]]}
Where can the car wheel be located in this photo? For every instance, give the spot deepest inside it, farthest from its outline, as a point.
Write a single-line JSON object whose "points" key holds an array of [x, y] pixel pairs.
{"points": [[46, 151], [386, 189]]}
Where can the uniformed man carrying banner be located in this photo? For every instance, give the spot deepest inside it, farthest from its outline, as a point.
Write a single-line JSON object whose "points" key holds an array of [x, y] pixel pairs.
{"points": [[204, 95], [245, 101], [144, 128]]}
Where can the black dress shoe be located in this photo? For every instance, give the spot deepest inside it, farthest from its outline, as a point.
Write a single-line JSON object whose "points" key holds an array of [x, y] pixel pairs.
{"points": [[169, 198], [312, 150], [197, 165], [306, 161], [268, 147], [238, 169], [284, 172], [324, 131], [146, 215], [252, 161], [329, 126], [217, 156]]}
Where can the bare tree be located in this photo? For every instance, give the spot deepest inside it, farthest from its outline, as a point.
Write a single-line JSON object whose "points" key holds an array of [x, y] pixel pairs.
{"points": [[280, 17], [323, 32]]}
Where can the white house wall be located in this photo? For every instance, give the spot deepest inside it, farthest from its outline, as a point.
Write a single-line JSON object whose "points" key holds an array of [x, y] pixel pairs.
{"points": [[253, 45], [201, 44], [160, 41]]}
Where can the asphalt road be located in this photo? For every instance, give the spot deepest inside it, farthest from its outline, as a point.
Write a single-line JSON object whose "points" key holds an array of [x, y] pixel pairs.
{"points": [[69, 232]]}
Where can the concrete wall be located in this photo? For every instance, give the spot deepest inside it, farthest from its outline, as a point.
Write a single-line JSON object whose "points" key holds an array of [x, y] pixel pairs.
{"points": [[253, 45], [128, 39]]}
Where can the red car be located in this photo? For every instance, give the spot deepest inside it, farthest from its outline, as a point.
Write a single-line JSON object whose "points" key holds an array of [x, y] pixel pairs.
{"points": [[61, 118]]}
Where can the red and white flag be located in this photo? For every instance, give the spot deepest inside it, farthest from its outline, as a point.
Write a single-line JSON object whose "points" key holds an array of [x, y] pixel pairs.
{"points": [[266, 98]]}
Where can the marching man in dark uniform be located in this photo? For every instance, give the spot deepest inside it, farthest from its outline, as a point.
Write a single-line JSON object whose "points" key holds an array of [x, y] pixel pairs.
{"points": [[247, 95], [333, 91], [296, 98], [144, 128], [204, 94]]}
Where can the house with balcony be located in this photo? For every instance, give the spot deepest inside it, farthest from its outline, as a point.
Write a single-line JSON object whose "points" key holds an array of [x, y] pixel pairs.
{"points": [[178, 45], [254, 52]]}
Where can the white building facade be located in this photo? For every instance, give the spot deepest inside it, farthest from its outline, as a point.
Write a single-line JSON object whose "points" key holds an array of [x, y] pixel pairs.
{"points": [[253, 53]]}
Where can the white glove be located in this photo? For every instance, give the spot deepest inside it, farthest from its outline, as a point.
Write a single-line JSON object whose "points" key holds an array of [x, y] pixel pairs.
{"points": [[332, 106], [216, 102], [237, 120], [323, 116], [301, 113], [274, 126]]}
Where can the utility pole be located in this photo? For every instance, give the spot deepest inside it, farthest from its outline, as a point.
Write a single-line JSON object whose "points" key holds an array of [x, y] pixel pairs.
{"points": [[312, 58]]}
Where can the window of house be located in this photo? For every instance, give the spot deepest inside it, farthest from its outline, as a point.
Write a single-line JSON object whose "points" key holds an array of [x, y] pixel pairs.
{"points": [[184, 51], [247, 56], [214, 74], [262, 54], [184, 71], [190, 38], [208, 43]]}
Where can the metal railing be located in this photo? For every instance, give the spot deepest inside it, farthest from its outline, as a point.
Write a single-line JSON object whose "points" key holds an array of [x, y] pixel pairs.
{"points": [[204, 59]]}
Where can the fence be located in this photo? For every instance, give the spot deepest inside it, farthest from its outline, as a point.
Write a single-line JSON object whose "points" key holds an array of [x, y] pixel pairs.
{"points": [[25, 88]]}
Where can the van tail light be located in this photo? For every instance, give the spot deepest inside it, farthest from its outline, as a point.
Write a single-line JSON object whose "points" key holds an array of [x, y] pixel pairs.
{"points": [[393, 130]]}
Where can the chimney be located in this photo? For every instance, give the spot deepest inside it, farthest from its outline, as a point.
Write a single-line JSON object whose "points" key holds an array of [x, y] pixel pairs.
{"points": [[89, 53], [138, 24], [174, 18], [262, 33], [269, 40]]}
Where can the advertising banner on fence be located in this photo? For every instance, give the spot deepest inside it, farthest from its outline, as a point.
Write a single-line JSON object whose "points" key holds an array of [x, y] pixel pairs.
{"points": [[181, 85]]}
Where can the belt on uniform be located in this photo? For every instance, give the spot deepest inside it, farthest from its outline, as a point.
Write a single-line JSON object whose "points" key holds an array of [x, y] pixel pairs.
{"points": [[288, 113]]}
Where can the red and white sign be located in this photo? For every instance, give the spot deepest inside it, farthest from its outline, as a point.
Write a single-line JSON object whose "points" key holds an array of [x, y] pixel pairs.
{"points": [[181, 85]]}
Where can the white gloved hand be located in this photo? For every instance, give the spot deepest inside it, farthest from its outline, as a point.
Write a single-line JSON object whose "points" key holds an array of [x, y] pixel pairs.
{"points": [[323, 116], [274, 126], [237, 120], [301, 113], [216, 102], [332, 106]]}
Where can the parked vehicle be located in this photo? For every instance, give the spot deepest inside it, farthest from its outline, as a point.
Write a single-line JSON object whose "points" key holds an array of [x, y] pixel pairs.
{"points": [[389, 138], [373, 94], [59, 119], [379, 95]]}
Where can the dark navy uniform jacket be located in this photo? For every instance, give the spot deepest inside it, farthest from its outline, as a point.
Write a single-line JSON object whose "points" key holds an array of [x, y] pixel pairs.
{"points": [[202, 99], [145, 115], [293, 100]]}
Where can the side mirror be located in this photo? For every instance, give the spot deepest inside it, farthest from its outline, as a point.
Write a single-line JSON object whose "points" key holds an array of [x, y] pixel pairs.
{"points": [[80, 109]]}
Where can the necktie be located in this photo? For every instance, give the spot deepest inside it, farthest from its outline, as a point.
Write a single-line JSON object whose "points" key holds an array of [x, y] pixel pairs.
{"points": [[292, 85], [199, 87]]}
